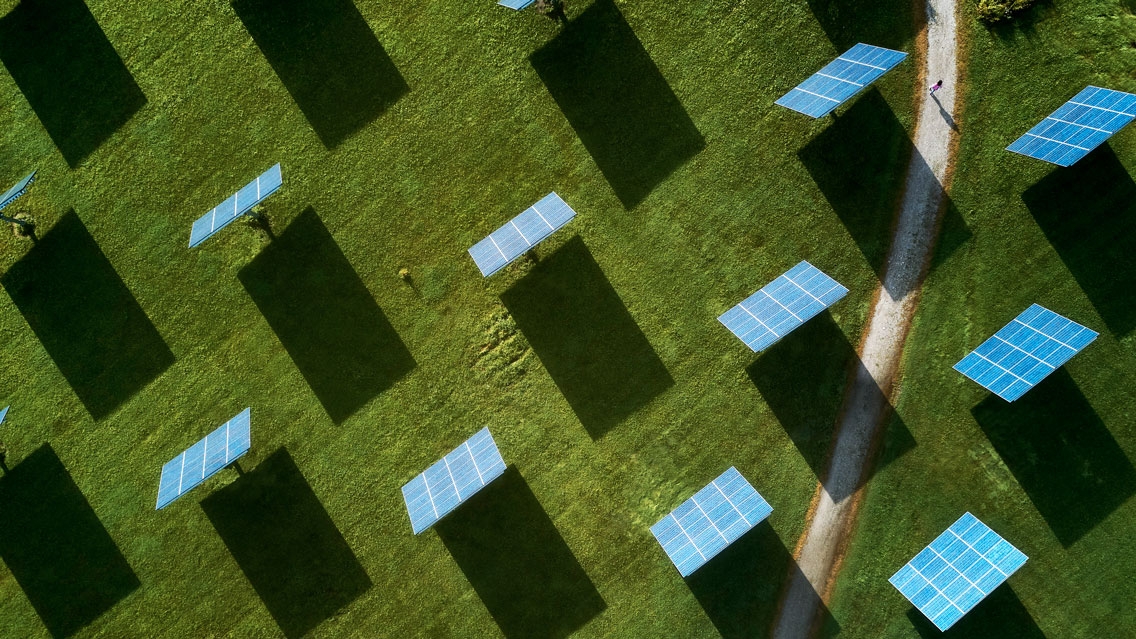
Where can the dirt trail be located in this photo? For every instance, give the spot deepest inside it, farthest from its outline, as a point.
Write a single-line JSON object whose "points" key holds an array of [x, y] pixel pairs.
{"points": [[866, 399]]}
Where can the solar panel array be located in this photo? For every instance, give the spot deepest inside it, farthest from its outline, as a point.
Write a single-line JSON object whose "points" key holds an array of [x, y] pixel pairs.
{"points": [[521, 234], [16, 191], [202, 460], [445, 485], [1079, 126], [841, 79], [515, 4], [782, 305], [959, 569], [236, 205], [712, 519], [1025, 351]]}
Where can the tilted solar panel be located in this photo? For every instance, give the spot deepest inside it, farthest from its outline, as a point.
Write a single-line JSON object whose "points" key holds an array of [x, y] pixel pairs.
{"points": [[515, 4], [1025, 351], [236, 205], [4, 414], [782, 305], [16, 191], [712, 519], [1079, 126], [445, 485], [202, 460], [841, 79], [521, 233], [959, 569]]}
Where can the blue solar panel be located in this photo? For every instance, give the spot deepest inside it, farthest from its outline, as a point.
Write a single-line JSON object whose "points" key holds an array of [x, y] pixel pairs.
{"points": [[782, 305], [521, 234], [959, 569], [841, 79], [237, 205], [712, 519], [202, 460], [1025, 351], [1079, 126], [16, 191], [4, 414], [515, 4], [445, 485]]}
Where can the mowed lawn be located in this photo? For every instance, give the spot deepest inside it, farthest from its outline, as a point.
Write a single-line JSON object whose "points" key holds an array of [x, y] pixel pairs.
{"points": [[1051, 472], [406, 133]]}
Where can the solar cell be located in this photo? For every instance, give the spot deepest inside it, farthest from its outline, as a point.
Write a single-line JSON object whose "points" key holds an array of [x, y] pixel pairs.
{"points": [[1079, 126], [782, 305], [202, 460], [712, 519], [4, 414], [957, 570], [454, 479], [841, 79], [16, 191], [521, 234], [515, 4], [1025, 351], [236, 205]]}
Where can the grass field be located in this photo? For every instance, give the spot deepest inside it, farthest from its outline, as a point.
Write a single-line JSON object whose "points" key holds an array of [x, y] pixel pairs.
{"points": [[407, 133]]}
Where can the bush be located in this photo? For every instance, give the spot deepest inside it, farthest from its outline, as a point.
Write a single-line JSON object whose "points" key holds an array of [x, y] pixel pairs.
{"points": [[1000, 10]]}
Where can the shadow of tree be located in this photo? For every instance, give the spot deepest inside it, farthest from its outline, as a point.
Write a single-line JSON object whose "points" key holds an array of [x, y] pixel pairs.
{"points": [[999, 616]]}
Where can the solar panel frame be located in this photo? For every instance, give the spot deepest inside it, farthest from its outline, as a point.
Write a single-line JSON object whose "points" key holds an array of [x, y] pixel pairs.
{"points": [[438, 490], [516, 5], [782, 306], [1025, 351], [16, 191], [1077, 127], [840, 80], [236, 205], [715, 517], [205, 458], [964, 564], [518, 235]]}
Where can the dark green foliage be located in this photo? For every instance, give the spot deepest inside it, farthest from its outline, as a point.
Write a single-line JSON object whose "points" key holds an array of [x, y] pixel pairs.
{"points": [[1002, 10]]}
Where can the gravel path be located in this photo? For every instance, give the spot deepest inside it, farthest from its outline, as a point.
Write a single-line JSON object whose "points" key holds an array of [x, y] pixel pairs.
{"points": [[865, 403]]}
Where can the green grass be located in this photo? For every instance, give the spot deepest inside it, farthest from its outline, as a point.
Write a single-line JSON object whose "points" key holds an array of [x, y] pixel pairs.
{"points": [[1053, 471]]}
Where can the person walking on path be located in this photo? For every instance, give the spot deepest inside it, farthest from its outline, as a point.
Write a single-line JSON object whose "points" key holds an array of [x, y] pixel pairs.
{"points": [[935, 87]]}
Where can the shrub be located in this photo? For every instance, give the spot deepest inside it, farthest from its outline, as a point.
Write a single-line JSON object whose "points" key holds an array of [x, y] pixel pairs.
{"points": [[1000, 10]]}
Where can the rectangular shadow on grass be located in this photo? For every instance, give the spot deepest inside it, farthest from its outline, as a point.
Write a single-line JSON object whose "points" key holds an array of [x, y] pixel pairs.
{"points": [[329, 60], [999, 615], [586, 338], [516, 560], [846, 23], [1061, 453], [70, 74], [85, 317], [325, 317], [59, 552], [286, 544], [1088, 213], [620, 105]]}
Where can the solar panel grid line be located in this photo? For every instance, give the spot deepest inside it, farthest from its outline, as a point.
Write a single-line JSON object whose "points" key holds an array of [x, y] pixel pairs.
{"points": [[781, 306], [17, 190], [1078, 126], [840, 80], [453, 479], [201, 460], [520, 234]]}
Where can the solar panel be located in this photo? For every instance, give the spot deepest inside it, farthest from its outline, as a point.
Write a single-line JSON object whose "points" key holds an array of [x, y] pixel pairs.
{"points": [[236, 205], [202, 460], [445, 485], [16, 191], [515, 4], [782, 305], [1079, 126], [4, 414], [521, 234], [1025, 351], [841, 79], [959, 569], [712, 519]]}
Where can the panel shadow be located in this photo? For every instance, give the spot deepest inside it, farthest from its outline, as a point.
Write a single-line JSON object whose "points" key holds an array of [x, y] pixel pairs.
{"points": [[53, 542], [618, 102], [585, 337], [1061, 453], [329, 60], [999, 616], [286, 544], [86, 318], [846, 23], [325, 317], [70, 74], [1088, 212], [516, 560]]}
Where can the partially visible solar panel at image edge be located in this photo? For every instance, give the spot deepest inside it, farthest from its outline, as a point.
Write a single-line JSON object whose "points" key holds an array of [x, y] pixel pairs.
{"points": [[1025, 351], [841, 79], [445, 485], [959, 569], [782, 305], [4, 414], [521, 233], [712, 519], [1079, 126], [16, 191], [236, 205], [202, 460], [515, 4]]}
